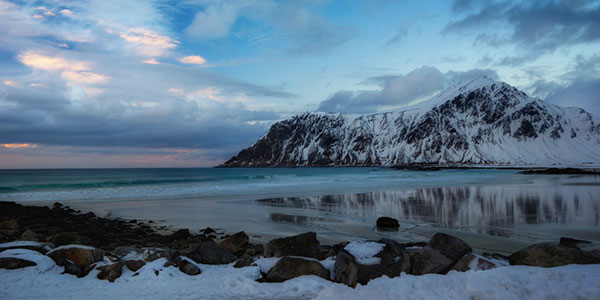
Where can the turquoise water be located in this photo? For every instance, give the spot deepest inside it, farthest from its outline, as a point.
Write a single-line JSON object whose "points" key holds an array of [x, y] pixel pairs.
{"points": [[73, 185]]}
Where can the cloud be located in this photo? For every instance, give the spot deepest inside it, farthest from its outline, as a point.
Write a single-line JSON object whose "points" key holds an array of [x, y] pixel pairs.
{"points": [[578, 87], [399, 90], [151, 61], [398, 37], [74, 72], [584, 94], [18, 146], [536, 27], [193, 59], [215, 21], [144, 41]]}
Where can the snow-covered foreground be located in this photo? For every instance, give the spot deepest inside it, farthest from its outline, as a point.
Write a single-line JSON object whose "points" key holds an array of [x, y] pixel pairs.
{"points": [[45, 281]]}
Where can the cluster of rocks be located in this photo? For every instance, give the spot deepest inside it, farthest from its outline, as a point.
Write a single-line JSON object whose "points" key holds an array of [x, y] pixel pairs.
{"points": [[298, 255]]}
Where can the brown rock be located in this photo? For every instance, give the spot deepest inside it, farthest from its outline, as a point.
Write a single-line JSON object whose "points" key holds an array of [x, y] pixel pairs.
{"points": [[305, 244], [181, 234], [393, 261], [236, 242], [212, 254], [387, 222], [81, 257], [134, 265], [188, 267], [464, 264], [12, 263], [10, 225], [110, 272], [450, 246], [429, 260], [551, 255], [292, 267], [29, 235]]}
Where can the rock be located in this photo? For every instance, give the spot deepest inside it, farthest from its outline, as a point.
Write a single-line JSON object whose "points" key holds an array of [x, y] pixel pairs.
{"points": [[68, 238], [551, 255], [244, 261], [81, 256], [110, 272], [10, 225], [429, 260], [73, 269], [181, 234], [9, 228], [393, 261], [188, 267], [571, 243], [292, 267], [387, 222], [12, 263], [305, 244], [335, 249], [134, 265], [236, 242], [450, 246], [212, 254], [473, 262], [29, 235]]}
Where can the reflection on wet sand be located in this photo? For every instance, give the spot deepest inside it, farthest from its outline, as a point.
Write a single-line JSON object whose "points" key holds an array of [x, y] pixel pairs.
{"points": [[472, 208]]}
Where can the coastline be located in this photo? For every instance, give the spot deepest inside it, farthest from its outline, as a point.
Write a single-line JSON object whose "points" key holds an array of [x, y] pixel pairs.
{"points": [[115, 255]]}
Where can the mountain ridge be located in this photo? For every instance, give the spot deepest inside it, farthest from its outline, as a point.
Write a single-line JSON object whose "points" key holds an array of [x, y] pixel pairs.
{"points": [[481, 122]]}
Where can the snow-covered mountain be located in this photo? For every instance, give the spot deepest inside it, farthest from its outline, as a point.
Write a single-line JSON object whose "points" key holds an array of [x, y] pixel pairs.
{"points": [[482, 122]]}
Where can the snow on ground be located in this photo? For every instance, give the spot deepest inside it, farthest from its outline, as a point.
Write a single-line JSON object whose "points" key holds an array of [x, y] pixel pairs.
{"points": [[365, 252], [45, 281]]}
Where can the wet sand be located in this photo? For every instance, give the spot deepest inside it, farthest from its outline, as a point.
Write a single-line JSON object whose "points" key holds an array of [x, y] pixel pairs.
{"points": [[492, 217]]}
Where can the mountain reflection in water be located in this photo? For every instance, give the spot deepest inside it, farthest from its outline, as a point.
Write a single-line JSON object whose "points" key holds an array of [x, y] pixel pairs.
{"points": [[488, 206]]}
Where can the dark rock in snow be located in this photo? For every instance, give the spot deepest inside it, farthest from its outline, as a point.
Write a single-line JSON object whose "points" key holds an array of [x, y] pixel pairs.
{"points": [[387, 222], [551, 255], [12, 263], [450, 246], [305, 244], [188, 267], [292, 267], [464, 264], [212, 254], [572, 243], [393, 261], [429, 260], [235, 242], [80, 256]]}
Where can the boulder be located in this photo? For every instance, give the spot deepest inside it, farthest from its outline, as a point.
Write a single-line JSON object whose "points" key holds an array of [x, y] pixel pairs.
{"points": [[29, 235], [181, 234], [473, 262], [134, 265], [212, 254], [81, 256], [110, 272], [292, 267], [387, 222], [235, 243], [187, 267], [305, 244], [572, 243], [244, 261], [551, 255], [429, 260], [12, 263], [68, 238], [450, 246], [393, 261], [9, 225]]}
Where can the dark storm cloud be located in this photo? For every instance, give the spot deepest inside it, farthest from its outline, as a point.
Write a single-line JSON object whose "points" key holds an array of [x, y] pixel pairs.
{"points": [[398, 90], [536, 27], [44, 117]]}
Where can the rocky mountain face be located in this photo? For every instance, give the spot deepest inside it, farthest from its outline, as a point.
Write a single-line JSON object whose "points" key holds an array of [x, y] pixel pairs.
{"points": [[482, 122]]}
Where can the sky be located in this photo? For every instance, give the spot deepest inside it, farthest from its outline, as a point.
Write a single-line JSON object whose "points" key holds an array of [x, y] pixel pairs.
{"points": [[100, 83]]}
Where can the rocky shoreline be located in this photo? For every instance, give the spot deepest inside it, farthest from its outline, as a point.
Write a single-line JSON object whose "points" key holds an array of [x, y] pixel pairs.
{"points": [[83, 244]]}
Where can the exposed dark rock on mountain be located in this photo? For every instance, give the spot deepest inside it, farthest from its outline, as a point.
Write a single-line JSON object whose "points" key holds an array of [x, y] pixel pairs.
{"points": [[482, 122]]}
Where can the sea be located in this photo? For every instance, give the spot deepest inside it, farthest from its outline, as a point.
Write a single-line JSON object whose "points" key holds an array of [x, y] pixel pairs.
{"points": [[494, 210]]}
